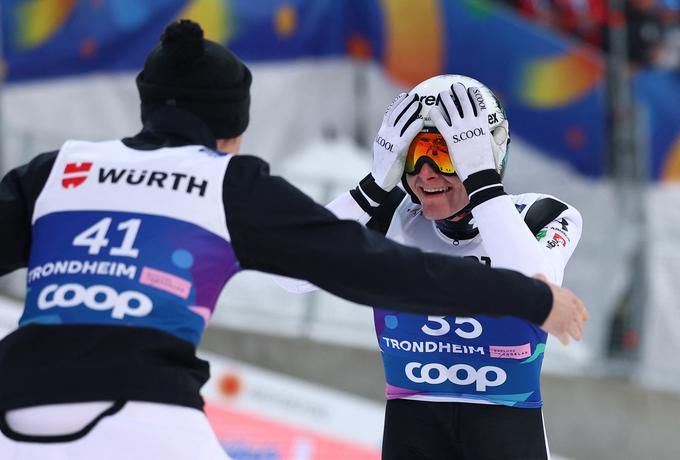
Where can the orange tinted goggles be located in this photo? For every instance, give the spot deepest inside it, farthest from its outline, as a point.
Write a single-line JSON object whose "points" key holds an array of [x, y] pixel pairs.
{"points": [[428, 147]]}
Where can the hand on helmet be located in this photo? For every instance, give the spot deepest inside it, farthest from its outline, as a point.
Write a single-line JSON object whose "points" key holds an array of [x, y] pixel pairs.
{"points": [[462, 120], [400, 125]]}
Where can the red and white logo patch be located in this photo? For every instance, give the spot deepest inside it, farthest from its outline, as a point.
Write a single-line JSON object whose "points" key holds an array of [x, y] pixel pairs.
{"points": [[560, 240], [75, 174]]}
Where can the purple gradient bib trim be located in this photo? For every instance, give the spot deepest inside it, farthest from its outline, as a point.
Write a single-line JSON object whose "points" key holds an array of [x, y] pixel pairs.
{"points": [[379, 320], [392, 392]]}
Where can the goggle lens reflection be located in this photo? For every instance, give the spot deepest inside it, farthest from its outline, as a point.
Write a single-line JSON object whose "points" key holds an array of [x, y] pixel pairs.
{"points": [[430, 147]]}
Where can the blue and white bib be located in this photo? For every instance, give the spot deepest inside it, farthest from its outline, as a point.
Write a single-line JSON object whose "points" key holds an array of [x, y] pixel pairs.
{"points": [[130, 238]]}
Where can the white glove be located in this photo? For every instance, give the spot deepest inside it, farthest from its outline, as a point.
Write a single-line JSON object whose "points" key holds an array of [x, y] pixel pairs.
{"points": [[465, 130], [400, 125]]}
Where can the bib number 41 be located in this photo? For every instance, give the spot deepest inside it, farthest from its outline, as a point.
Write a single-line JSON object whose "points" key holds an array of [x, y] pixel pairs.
{"points": [[95, 238]]}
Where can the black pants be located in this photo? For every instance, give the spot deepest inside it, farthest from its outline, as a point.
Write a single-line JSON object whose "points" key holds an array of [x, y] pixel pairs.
{"points": [[421, 430]]}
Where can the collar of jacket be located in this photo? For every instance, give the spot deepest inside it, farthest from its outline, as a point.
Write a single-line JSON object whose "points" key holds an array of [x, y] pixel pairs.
{"points": [[171, 127]]}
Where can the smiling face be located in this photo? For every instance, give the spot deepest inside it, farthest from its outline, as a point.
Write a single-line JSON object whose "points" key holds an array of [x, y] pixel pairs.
{"points": [[440, 195]]}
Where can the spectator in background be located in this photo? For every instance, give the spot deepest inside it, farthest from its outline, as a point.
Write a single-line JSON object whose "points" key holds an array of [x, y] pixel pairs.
{"points": [[645, 32], [584, 19], [539, 11], [589, 20], [670, 54], [652, 26]]}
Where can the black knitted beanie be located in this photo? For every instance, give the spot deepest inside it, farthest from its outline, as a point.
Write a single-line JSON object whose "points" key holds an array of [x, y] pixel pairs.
{"points": [[198, 75]]}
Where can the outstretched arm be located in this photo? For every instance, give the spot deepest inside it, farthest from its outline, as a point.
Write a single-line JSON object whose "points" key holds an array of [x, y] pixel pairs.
{"points": [[277, 229]]}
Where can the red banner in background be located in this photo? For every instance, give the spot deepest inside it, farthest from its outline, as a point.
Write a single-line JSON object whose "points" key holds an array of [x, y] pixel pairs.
{"points": [[245, 436], [258, 414]]}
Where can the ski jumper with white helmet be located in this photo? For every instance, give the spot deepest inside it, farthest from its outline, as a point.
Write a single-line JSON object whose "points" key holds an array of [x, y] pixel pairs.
{"points": [[477, 359]]}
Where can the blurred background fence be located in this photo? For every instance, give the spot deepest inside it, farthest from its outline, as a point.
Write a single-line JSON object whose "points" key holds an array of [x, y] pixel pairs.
{"points": [[592, 91]]}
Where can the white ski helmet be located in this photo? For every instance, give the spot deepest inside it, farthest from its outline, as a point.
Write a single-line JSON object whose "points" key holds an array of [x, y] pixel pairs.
{"points": [[499, 130]]}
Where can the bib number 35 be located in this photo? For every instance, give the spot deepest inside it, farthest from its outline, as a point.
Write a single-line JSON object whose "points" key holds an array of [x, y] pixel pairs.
{"points": [[442, 326]]}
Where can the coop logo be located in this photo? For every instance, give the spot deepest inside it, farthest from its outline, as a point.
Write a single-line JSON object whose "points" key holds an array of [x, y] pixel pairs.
{"points": [[75, 174], [458, 374], [97, 297]]}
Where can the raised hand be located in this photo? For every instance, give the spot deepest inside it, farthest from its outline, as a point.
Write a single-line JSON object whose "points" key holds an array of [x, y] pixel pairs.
{"points": [[462, 118], [400, 125]]}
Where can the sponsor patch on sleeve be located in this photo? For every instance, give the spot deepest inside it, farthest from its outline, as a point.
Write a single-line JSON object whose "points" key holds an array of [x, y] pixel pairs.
{"points": [[556, 234]]}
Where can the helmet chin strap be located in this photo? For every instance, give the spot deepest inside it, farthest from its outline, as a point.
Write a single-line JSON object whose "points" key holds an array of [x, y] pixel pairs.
{"points": [[460, 229], [463, 213]]}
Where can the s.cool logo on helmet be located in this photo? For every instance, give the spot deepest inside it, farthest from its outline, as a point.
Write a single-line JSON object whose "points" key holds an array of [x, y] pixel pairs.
{"points": [[469, 134], [480, 99], [458, 374], [97, 297]]}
